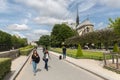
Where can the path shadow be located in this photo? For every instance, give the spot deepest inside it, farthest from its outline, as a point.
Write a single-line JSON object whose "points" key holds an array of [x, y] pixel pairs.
{"points": [[49, 66], [9, 75], [38, 70]]}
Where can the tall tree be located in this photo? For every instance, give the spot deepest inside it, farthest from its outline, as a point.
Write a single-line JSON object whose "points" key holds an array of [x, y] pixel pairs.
{"points": [[60, 33], [44, 40], [115, 24]]}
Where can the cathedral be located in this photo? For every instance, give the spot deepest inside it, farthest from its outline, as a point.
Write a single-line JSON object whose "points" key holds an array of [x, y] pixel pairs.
{"points": [[82, 28]]}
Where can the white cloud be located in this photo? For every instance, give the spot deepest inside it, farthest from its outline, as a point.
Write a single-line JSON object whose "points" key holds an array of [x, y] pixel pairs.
{"points": [[54, 11], [19, 34], [31, 37], [50, 12], [41, 32], [111, 3], [36, 34], [47, 7], [17, 27], [50, 20]]}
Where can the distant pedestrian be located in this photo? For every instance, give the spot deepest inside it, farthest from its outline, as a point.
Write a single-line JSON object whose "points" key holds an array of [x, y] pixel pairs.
{"points": [[64, 52], [46, 58], [44, 49], [35, 58]]}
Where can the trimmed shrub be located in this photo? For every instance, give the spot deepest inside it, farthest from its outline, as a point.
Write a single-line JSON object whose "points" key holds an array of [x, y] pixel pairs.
{"points": [[79, 51], [5, 66], [26, 50], [116, 48]]}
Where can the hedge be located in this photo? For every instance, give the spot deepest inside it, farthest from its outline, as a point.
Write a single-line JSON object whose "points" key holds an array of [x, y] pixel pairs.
{"points": [[26, 50], [5, 67]]}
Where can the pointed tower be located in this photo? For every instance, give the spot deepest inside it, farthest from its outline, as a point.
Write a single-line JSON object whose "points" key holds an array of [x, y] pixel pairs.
{"points": [[77, 18]]}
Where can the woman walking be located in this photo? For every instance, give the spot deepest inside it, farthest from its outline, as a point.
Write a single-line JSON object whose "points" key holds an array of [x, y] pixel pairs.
{"points": [[35, 59], [45, 59]]}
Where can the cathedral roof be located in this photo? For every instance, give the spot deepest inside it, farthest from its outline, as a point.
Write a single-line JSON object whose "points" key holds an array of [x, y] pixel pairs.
{"points": [[85, 23]]}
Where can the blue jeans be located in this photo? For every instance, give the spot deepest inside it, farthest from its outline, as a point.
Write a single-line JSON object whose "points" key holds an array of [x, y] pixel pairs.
{"points": [[64, 55], [46, 64], [34, 66]]}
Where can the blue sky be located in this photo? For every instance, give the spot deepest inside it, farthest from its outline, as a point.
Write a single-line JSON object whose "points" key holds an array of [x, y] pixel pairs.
{"points": [[33, 18]]}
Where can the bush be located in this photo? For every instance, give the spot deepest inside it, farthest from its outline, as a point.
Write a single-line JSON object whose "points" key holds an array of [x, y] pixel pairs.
{"points": [[79, 51], [26, 50], [5, 66], [116, 48]]}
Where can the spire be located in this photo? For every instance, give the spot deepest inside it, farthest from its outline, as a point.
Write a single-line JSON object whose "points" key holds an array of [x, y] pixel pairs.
{"points": [[77, 18]]}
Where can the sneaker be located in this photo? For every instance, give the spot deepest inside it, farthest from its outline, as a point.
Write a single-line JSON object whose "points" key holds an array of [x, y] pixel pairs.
{"points": [[46, 69], [34, 74]]}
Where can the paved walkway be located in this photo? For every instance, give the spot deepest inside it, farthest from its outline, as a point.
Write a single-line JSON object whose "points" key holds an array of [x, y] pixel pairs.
{"points": [[58, 70], [17, 65], [93, 66]]}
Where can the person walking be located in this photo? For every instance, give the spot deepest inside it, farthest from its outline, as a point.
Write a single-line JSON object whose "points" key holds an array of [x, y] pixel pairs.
{"points": [[34, 60], [46, 58], [64, 52], [44, 49]]}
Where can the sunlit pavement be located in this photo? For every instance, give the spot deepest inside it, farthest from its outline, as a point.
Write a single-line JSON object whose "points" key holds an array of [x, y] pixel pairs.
{"points": [[58, 70]]}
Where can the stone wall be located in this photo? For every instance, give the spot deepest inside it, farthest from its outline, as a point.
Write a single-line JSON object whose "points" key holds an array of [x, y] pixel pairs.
{"points": [[10, 54]]}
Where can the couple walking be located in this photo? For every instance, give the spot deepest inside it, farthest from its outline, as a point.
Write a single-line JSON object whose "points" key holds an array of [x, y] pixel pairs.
{"points": [[35, 58]]}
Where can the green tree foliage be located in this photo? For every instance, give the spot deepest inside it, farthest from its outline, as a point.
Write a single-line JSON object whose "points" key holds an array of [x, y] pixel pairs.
{"points": [[79, 51], [115, 24], [5, 38], [18, 42], [15, 41], [116, 48], [22, 42], [8, 41], [105, 37], [60, 33], [44, 40]]}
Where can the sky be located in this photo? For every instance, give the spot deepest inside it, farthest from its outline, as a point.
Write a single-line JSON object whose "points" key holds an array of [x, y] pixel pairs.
{"points": [[33, 18]]}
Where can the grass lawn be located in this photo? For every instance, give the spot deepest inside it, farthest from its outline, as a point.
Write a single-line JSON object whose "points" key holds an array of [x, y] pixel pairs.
{"points": [[86, 54]]}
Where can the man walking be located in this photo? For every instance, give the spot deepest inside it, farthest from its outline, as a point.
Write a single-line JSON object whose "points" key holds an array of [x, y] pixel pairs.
{"points": [[64, 52]]}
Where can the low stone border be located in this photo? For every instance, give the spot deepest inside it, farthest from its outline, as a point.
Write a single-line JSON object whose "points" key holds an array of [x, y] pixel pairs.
{"points": [[10, 54]]}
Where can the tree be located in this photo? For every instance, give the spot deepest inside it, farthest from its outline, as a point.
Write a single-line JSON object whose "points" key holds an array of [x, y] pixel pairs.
{"points": [[116, 48], [104, 37], [5, 41], [44, 40], [60, 33], [115, 24], [116, 27], [22, 42]]}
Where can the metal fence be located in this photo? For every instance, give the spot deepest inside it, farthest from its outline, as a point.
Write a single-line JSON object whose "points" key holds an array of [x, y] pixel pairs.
{"points": [[114, 62]]}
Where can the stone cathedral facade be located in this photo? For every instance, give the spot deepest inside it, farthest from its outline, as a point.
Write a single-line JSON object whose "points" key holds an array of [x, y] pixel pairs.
{"points": [[84, 27]]}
